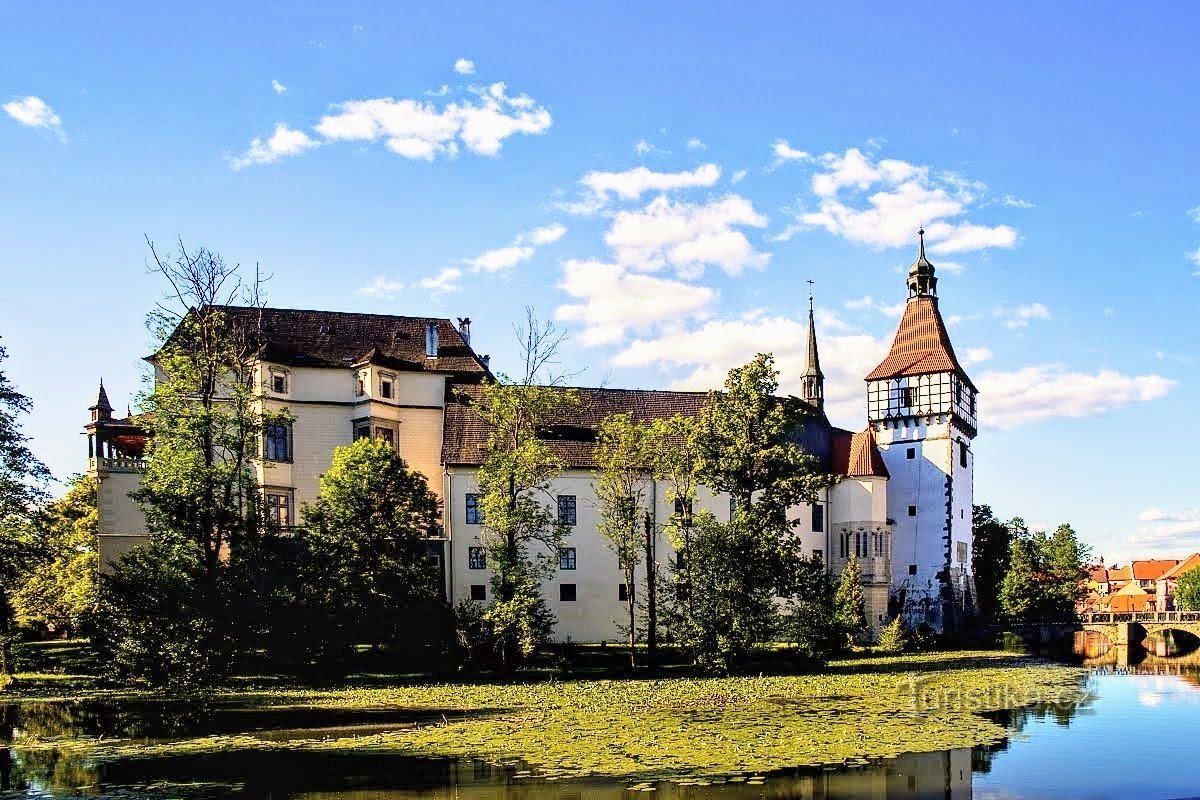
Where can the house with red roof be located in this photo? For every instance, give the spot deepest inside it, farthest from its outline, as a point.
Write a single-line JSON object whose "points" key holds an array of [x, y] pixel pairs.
{"points": [[1165, 585]]}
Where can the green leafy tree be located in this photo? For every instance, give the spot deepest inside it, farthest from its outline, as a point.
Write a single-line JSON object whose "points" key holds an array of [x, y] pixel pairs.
{"points": [[674, 448], [1187, 591], [622, 482], [1046, 574], [364, 559], [811, 619], [23, 481], [892, 638], [849, 603], [59, 592], [990, 558], [1066, 561], [200, 495]]}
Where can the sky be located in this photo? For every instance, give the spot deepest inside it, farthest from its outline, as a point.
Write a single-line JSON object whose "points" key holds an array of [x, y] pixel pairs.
{"points": [[662, 180]]}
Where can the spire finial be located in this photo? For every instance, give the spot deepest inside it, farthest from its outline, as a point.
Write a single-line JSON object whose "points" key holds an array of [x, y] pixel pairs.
{"points": [[921, 239], [810, 296]]}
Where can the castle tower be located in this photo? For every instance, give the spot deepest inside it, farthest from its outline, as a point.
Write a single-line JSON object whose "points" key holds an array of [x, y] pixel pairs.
{"points": [[922, 406], [812, 382]]}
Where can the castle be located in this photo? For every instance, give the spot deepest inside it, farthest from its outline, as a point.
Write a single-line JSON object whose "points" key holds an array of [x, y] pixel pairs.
{"points": [[903, 504]]}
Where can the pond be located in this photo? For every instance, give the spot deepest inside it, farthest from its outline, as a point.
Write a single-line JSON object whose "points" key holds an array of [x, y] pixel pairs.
{"points": [[1130, 734]]}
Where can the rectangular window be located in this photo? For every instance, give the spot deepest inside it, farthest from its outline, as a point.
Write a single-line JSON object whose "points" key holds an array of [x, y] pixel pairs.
{"points": [[277, 443], [474, 513], [911, 453], [279, 382], [360, 385], [279, 508], [912, 569], [962, 453], [958, 392], [566, 592], [478, 591], [566, 558], [385, 388], [962, 552], [912, 511], [385, 435], [818, 555], [566, 509], [362, 430], [623, 592], [972, 404], [476, 558], [684, 507], [910, 396], [818, 517]]}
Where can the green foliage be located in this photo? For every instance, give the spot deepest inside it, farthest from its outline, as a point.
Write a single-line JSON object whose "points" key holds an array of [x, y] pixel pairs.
{"points": [[849, 603], [1187, 591], [892, 638], [623, 455], [59, 591], [22, 490], [1046, 574], [521, 532], [812, 623], [990, 556]]}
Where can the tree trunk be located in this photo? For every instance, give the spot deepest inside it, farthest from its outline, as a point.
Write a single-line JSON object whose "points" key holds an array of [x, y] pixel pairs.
{"points": [[632, 602], [651, 610]]}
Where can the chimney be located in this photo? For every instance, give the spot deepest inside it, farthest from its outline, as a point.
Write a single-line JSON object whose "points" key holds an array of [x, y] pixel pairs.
{"points": [[431, 339], [487, 361], [464, 327]]}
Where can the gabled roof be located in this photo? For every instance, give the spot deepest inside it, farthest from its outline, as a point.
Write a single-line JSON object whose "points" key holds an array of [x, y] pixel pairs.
{"points": [[921, 345], [1098, 575], [1151, 569], [1187, 565], [1119, 574], [304, 338], [856, 455]]}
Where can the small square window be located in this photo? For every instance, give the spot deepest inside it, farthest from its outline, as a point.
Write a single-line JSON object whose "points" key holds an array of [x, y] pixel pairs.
{"points": [[912, 569], [385, 435], [912, 511], [478, 591], [911, 453], [623, 592], [362, 430], [385, 388], [476, 558], [279, 383], [474, 513], [566, 509], [566, 592], [566, 558]]}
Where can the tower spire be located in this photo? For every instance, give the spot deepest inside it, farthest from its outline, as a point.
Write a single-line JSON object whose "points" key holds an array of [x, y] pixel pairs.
{"points": [[813, 380], [922, 282], [101, 409]]}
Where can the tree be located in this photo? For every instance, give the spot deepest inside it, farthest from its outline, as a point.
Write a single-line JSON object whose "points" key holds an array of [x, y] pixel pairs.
{"points": [[673, 446], [1187, 591], [199, 491], [364, 558], [1066, 561], [990, 558], [621, 482], [23, 481], [521, 532], [1046, 574], [59, 591], [892, 638], [849, 603]]}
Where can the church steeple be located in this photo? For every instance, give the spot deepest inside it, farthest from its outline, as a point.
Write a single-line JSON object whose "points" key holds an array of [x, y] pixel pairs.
{"points": [[812, 382], [921, 279], [101, 409]]}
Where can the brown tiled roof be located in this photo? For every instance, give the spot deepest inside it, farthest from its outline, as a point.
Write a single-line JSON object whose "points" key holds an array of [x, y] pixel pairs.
{"points": [[1119, 574], [857, 455], [340, 339], [921, 344], [1152, 569], [573, 438], [1187, 565], [1099, 575]]}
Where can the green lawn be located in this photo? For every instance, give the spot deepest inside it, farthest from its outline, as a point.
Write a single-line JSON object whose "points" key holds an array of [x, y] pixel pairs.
{"points": [[676, 728]]}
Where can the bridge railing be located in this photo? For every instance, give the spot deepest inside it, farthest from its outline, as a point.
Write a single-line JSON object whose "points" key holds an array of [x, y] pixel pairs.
{"points": [[1108, 618]]}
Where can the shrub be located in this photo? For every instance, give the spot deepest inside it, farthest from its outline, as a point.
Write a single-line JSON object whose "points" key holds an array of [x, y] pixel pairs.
{"points": [[892, 638]]}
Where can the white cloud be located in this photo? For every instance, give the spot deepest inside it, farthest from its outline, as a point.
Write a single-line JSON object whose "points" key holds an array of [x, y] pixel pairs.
{"points": [[1173, 532], [1036, 393], [695, 143], [642, 147], [422, 130], [1020, 316], [688, 236], [34, 112], [283, 142], [1195, 257], [882, 203], [522, 249], [976, 355], [785, 152], [1195, 214], [445, 281], [633, 183], [1109, 312], [739, 176], [869, 303], [1016, 202], [381, 287], [464, 66], [708, 352], [613, 300], [278, 87]]}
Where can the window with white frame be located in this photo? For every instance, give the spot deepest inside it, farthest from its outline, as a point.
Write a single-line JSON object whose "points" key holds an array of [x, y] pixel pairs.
{"points": [[476, 558], [387, 387], [474, 512], [566, 558], [279, 507], [277, 442], [566, 509], [279, 381]]}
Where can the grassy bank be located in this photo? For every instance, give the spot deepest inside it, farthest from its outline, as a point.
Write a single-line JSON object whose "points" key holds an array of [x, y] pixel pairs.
{"points": [[674, 728]]}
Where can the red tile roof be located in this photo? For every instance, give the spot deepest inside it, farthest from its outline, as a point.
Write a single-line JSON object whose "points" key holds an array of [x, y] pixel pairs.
{"points": [[1152, 569], [921, 344], [1187, 565], [1099, 575], [1118, 574], [857, 455]]}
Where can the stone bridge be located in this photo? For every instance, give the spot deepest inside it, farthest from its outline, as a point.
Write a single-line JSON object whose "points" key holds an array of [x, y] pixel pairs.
{"points": [[1133, 627]]}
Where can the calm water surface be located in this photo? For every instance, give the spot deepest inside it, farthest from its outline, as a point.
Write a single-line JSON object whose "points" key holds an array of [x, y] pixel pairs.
{"points": [[1135, 734]]}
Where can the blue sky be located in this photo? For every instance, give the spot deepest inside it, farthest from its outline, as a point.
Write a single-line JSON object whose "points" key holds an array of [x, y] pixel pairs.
{"points": [[661, 179]]}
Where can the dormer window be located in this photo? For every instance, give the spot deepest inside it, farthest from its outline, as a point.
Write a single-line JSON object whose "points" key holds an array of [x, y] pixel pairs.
{"points": [[386, 388], [360, 384], [279, 382]]}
